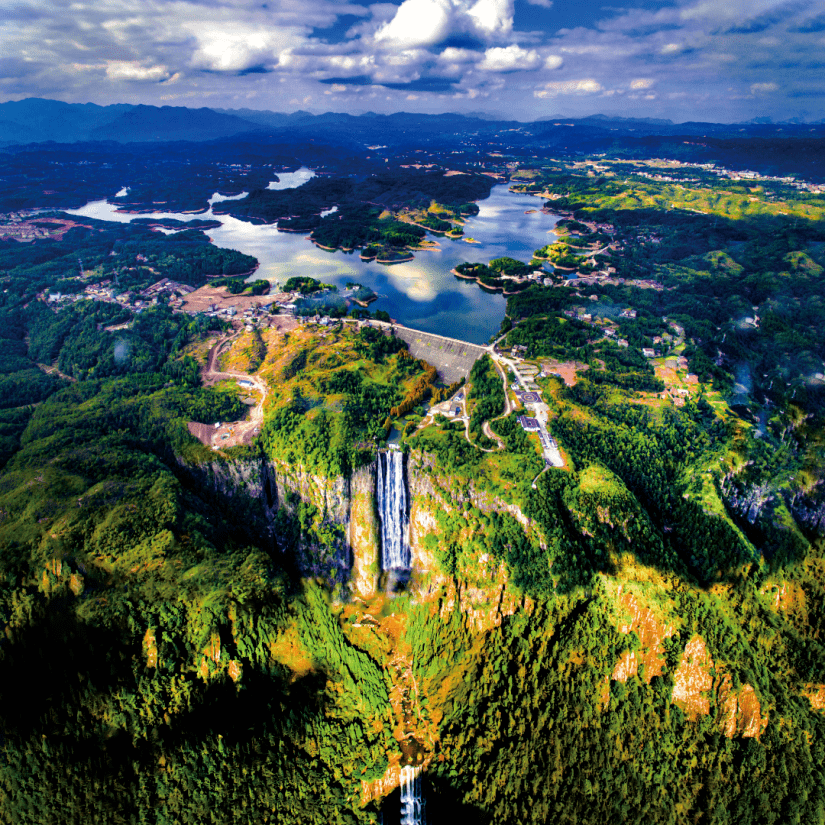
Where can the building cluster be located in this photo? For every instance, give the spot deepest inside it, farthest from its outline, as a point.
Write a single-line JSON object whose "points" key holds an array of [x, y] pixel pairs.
{"points": [[106, 290], [529, 393], [747, 174], [19, 226]]}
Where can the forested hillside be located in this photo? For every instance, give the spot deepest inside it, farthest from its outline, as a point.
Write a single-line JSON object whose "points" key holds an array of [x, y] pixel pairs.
{"points": [[197, 634]]}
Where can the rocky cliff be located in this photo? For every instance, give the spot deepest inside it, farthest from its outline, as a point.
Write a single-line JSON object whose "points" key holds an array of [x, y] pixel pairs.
{"points": [[331, 525]]}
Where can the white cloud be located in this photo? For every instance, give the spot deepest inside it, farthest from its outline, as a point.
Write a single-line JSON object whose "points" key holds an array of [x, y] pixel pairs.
{"points": [[132, 70], [671, 48], [234, 47], [545, 4], [569, 87], [509, 58], [408, 57], [763, 88], [453, 55], [553, 61], [427, 22], [641, 83], [416, 23], [492, 17]]}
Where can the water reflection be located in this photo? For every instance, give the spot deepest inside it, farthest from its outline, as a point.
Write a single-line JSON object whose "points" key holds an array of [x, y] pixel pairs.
{"points": [[423, 293]]}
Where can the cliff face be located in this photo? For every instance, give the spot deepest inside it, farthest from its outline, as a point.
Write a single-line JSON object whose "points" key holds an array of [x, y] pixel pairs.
{"points": [[255, 491], [331, 525], [364, 533], [809, 510], [481, 588]]}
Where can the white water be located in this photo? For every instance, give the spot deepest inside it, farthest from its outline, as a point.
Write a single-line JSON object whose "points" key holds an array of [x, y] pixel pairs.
{"points": [[412, 801], [290, 180], [392, 511]]}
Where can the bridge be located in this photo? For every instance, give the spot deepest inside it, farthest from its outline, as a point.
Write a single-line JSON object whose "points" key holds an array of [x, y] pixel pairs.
{"points": [[452, 357]]}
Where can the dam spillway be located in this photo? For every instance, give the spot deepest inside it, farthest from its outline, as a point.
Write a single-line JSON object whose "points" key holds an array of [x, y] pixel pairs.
{"points": [[391, 493]]}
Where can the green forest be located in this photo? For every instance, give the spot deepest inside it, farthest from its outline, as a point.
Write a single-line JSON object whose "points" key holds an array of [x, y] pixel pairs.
{"points": [[192, 635]]}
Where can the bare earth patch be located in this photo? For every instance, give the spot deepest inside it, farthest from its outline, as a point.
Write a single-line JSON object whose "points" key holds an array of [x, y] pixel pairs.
{"points": [[787, 597], [741, 713], [150, 647], [202, 299], [692, 680], [815, 694], [568, 370], [288, 650], [651, 633]]}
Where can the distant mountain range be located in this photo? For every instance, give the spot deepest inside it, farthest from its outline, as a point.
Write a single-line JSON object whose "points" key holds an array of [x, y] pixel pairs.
{"points": [[37, 120]]}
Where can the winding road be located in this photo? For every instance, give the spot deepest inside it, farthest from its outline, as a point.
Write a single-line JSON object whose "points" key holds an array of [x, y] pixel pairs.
{"points": [[244, 431]]}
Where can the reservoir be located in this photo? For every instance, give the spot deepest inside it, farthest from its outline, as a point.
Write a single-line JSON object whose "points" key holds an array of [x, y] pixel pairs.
{"points": [[422, 294]]}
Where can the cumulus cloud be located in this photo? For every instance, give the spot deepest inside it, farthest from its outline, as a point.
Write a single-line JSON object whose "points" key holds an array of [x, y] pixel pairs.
{"points": [[492, 17], [453, 55], [587, 86], [416, 23], [509, 59], [428, 22], [234, 47], [266, 53]]}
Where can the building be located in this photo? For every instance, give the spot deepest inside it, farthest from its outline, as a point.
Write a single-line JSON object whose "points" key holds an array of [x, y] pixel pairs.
{"points": [[531, 425]]}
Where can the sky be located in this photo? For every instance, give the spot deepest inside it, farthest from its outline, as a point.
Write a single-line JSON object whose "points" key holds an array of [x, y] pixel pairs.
{"points": [[712, 60]]}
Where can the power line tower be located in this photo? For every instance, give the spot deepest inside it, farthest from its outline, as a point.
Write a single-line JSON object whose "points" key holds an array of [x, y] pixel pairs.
{"points": [[80, 264]]}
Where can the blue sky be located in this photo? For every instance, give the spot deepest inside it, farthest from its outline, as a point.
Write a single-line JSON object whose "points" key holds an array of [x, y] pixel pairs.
{"points": [[722, 60]]}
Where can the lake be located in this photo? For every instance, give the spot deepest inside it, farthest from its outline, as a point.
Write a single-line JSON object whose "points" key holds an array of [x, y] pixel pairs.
{"points": [[422, 294]]}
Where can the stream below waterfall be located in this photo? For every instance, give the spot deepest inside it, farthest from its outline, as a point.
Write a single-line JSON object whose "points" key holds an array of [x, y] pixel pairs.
{"points": [[396, 561]]}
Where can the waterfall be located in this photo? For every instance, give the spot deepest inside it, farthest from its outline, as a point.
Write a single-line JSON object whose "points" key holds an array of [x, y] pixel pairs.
{"points": [[392, 511], [391, 493], [412, 802]]}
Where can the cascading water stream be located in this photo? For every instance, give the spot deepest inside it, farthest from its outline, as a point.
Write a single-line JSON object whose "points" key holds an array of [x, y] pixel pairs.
{"points": [[412, 801], [391, 493], [392, 511]]}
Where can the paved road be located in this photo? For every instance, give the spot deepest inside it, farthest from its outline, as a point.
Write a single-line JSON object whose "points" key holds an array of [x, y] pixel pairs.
{"points": [[541, 412]]}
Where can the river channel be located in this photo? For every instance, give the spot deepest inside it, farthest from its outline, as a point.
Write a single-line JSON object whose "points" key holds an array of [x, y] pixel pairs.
{"points": [[422, 294]]}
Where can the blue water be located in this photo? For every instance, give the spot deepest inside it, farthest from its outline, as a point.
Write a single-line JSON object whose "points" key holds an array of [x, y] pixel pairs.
{"points": [[422, 294]]}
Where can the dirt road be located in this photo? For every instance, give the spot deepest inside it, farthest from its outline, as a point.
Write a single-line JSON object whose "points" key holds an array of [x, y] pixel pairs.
{"points": [[231, 434]]}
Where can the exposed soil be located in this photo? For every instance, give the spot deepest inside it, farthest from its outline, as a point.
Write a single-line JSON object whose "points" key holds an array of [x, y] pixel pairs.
{"points": [[740, 711], [788, 598], [202, 299], [288, 650], [692, 681], [26, 231], [568, 370], [150, 647], [651, 633], [230, 434], [815, 694]]}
